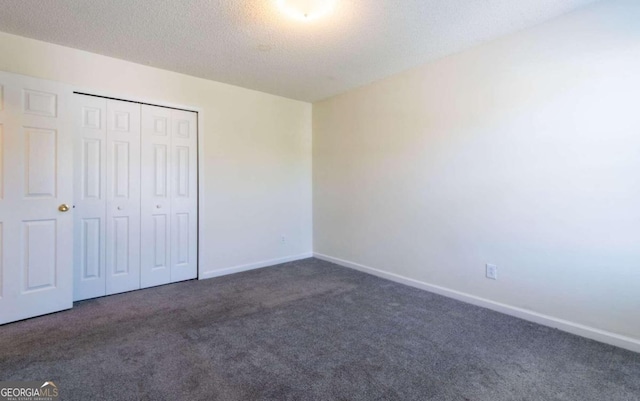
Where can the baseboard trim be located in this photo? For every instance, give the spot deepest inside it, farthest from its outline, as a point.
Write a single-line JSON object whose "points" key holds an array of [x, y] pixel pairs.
{"points": [[253, 266], [592, 333]]}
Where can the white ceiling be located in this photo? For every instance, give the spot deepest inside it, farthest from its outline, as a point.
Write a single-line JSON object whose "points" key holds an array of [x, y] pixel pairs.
{"points": [[250, 43]]}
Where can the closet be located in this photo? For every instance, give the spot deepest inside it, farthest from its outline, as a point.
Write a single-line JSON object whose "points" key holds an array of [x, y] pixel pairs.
{"points": [[97, 196], [135, 216]]}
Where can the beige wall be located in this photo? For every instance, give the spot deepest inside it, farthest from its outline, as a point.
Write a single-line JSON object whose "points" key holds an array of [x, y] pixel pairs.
{"points": [[524, 152], [257, 149]]}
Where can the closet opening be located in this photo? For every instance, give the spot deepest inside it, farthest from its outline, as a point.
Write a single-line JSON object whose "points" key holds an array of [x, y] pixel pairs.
{"points": [[135, 195]]}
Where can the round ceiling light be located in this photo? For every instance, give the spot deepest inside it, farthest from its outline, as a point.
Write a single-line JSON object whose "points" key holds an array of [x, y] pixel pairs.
{"points": [[306, 10]]}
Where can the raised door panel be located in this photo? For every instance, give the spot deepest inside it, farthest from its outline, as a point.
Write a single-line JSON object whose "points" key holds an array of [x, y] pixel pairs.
{"points": [[40, 103], [182, 172], [160, 245], [91, 249], [122, 169], [185, 127], [183, 239], [93, 116], [39, 256], [40, 163], [123, 242], [91, 169], [160, 172], [156, 196], [120, 241], [90, 135]]}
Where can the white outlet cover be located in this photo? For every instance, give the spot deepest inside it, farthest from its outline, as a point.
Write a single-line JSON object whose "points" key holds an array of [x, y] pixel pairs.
{"points": [[492, 271]]}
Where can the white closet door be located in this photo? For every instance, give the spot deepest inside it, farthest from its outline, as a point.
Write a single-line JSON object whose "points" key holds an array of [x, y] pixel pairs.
{"points": [[184, 199], [123, 197], [36, 233], [90, 130], [156, 201], [136, 223]]}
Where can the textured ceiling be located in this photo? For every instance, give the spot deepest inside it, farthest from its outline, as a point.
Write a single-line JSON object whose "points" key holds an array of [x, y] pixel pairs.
{"points": [[250, 43]]}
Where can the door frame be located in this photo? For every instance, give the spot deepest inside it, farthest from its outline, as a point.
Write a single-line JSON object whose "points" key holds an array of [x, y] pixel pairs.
{"points": [[129, 97]]}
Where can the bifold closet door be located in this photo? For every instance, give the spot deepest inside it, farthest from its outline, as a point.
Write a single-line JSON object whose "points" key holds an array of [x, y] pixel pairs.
{"points": [[36, 193], [169, 195], [156, 192], [184, 199], [123, 196], [107, 197], [90, 127]]}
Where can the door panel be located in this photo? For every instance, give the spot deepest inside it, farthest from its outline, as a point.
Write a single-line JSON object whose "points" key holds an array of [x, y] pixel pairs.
{"points": [[40, 103], [182, 239], [184, 199], [169, 196], [91, 169], [120, 240], [122, 168], [123, 197], [107, 255], [160, 170], [160, 243], [90, 130], [90, 246], [35, 178], [40, 160], [156, 201], [182, 171], [39, 250], [90, 133]]}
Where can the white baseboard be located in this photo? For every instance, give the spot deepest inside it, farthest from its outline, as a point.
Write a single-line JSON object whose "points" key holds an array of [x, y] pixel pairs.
{"points": [[592, 333], [252, 266]]}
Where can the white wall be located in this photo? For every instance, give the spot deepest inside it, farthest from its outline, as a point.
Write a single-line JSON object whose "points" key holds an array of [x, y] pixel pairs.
{"points": [[524, 152], [257, 149]]}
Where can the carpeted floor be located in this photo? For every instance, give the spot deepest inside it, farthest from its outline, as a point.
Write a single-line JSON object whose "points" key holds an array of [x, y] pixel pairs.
{"points": [[307, 330]]}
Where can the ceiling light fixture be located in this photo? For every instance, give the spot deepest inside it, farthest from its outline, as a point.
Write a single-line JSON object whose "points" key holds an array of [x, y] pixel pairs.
{"points": [[306, 10]]}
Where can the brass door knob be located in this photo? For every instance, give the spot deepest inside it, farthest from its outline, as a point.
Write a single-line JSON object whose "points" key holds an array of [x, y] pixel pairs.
{"points": [[63, 208]]}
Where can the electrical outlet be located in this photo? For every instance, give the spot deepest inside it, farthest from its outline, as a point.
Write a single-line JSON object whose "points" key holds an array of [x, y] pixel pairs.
{"points": [[492, 271], [283, 239]]}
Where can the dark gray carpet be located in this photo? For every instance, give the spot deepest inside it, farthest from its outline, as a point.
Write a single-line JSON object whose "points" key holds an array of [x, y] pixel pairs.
{"points": [[307, 330]]}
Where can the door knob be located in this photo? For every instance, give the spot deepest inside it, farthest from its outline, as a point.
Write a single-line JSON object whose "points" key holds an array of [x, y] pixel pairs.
{"points": [[63, 208]]}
